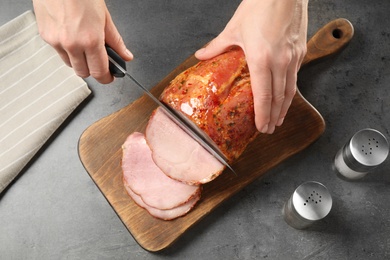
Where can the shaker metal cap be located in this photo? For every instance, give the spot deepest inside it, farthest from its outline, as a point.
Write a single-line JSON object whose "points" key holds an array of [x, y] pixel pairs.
{"points": [[312, 201], [368, 148]]}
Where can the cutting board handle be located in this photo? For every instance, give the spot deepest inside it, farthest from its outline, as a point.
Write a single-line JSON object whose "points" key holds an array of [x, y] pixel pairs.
{"points": [[329, 40]]}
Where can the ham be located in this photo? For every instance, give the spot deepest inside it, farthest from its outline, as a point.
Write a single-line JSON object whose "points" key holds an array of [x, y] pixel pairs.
{"points": [[147, 181], [167, 214], [216, 95], [177, 154]]}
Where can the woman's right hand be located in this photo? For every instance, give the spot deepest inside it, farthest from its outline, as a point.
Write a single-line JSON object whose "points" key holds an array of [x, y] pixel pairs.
{"points": [[79, 30]]}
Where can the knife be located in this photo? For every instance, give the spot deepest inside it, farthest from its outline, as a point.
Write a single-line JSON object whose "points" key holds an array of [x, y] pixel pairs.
{"points": [[117, 67]]}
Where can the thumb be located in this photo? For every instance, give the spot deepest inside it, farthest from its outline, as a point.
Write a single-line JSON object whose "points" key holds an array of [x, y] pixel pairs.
{"points": [[217, 46], [115, 40]]}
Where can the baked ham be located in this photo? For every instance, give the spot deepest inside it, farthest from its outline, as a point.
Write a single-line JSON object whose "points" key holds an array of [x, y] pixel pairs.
{"points": [[149, 186], [177, 154], [216, 94]]}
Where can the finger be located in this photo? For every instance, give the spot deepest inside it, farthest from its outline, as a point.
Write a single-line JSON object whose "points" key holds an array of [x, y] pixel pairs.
{"points": [[54, 42], [217, 46], [291, 88], [261, 82], [79, 63], [64, 55], [278, 96], [97, 60], [115, 40]]}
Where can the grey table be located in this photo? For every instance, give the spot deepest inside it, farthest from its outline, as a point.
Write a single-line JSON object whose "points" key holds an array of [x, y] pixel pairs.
{"points": [[54, 210]]}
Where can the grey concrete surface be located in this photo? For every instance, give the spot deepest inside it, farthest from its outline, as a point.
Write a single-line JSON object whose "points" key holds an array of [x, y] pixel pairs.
{"points": [[53, 210]]}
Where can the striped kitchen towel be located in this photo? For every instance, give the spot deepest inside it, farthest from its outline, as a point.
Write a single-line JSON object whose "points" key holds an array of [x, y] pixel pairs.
{"points": [[37, 93]]}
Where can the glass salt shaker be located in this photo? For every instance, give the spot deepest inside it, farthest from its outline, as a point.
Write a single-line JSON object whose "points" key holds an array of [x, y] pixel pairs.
{"points": [[367, 149]]}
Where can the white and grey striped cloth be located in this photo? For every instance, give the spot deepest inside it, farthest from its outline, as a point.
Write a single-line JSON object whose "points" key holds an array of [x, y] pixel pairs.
{"points": [[37, 93]]}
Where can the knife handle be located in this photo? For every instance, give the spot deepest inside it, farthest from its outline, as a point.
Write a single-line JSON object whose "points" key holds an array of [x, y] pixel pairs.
{"points": [[115, 71]]}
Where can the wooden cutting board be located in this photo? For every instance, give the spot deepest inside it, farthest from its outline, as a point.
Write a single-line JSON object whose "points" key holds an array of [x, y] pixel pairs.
{"points": [[100, 150]]}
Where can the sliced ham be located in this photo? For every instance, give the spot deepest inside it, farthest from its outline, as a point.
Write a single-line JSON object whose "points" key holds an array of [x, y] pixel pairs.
{"points": [[216, 95], [177, 154], [167, 214], [145, 179]]}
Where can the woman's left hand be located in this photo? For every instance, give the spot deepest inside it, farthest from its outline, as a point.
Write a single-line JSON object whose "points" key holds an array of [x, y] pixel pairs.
{"points": [[272, 34]]}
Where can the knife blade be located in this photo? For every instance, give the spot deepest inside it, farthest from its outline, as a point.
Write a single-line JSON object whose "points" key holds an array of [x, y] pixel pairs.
{"points": [[118, 69]]}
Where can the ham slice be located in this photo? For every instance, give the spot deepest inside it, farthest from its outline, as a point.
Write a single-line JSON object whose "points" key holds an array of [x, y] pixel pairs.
{"points": [[146, 180], [167, 214], [177, 154]]}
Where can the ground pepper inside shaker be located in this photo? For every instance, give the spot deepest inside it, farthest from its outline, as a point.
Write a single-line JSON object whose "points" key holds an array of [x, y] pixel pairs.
{"points": [[366, 150]]}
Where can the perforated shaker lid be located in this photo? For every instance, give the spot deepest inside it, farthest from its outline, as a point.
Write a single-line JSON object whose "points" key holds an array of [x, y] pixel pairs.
{"points": [[368, 148], [312, 200]]}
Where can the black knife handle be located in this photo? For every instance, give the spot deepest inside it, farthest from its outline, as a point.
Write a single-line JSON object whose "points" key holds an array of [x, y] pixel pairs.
{"points": [[115, 71]]}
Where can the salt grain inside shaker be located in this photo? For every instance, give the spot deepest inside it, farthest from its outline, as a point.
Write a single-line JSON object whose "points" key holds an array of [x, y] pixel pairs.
{"points": [[309, 203], [367, 149]]}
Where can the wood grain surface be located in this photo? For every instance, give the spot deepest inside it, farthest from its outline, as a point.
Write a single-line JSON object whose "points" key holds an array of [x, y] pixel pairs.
{"points": [[100, 150]]}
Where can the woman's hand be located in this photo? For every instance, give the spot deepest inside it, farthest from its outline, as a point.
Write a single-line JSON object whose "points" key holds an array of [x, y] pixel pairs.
{"points": [[273, 35], [79, 30]]}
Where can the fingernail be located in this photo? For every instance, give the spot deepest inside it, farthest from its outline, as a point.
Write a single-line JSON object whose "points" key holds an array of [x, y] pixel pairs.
{"points": [[271, 130], [200, 51], [265, 129], [129, 54], [280, 121]]}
